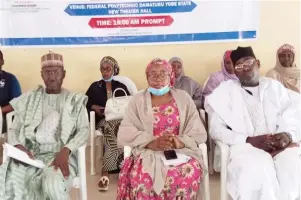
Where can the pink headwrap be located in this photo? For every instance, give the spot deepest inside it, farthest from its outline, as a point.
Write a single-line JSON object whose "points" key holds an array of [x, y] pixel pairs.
{"points": [[226, 75], [215, 79], [227, 54], [167, 66]]}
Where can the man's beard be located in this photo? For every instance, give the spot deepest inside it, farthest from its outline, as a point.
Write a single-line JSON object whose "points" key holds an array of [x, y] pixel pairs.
{"points": [[254, 79]]}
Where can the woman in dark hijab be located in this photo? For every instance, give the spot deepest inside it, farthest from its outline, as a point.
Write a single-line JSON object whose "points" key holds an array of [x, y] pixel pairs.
{"points": [[98, 94]]}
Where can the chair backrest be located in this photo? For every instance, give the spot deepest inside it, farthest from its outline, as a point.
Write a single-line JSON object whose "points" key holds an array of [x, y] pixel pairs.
{"points": [[128, 83], [204, 119], [205, 83], [1, 122], [9, 121]]}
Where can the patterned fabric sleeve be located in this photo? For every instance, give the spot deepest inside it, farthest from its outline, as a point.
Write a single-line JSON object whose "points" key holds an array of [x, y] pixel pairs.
{"points": [[14, 131], [19, 106], [82, 131]]}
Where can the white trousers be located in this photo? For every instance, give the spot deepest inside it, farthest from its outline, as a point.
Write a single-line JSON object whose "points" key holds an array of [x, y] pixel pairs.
{"points": [[254, 175]]}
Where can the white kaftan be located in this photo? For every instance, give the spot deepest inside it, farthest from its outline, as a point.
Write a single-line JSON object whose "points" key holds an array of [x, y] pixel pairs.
{"points": [[252, 173]]}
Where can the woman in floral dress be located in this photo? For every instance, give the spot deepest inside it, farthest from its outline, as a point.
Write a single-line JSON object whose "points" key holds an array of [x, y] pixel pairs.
{"points": [[158, 119]]}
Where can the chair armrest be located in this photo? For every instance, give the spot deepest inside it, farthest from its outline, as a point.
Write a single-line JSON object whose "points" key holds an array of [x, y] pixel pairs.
{"points": [[205, 181], [81, 162], [203, 113], [127, 151], [92, 121], [81, 151], [1, 121], [225, 149], [203, 147], [81, 181], [98, 133]]}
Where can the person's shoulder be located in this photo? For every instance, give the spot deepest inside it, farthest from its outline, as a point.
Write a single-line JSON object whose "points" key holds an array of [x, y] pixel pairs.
{"points": [[181, 94], [95, 83], [11, 75], [224, 88], [214, 78], [188, 79], [73, 93], [29, 95], [226, 84], [274, 85], [179, 91], [139, 95], [138, 99], [119, 84], [33, 91], [270, 81], [75, 97], [271, 73], [94, 86], [215, 74]]}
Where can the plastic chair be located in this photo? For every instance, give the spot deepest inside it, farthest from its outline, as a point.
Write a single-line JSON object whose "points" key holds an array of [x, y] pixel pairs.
{"points": [[2, 135], [210, 142], [80, 181], [95, 133], [128, 83], [205, 182], [225, 152]]}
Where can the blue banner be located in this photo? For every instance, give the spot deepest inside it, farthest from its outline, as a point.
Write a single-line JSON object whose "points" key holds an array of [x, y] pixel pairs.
{"points": [[170, 38], [127, 22], [130, 8]]}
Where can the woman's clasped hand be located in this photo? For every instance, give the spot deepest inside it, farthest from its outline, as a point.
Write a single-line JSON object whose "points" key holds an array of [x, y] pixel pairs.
{"points": [[165, 142]]}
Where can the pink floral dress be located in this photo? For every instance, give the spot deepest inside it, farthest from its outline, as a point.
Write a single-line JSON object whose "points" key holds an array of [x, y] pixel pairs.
{"points": [[182, 182]]}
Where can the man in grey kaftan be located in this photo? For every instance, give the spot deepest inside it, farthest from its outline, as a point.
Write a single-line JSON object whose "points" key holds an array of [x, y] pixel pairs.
{"points": [[51, 124]]}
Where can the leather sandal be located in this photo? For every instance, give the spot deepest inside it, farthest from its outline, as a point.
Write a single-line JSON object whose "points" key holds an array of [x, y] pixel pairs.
{"points": [[105, 183]]}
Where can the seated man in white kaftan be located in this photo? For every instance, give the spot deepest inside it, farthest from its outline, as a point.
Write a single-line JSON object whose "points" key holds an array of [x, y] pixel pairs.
{"points": [[50, 124], [256, 117]]}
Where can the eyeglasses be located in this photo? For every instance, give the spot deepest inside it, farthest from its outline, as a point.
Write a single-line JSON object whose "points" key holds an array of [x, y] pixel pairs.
{"points": [[247, 64], [52, 73], [154, 77], [106, 69]]}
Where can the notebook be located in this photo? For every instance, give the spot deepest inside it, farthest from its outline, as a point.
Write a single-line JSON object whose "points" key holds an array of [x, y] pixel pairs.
{"points": [[17, 154]]}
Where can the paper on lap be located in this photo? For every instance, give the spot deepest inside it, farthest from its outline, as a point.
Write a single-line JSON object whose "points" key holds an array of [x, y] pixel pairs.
{"points": [[17, 154], [182, 158]]}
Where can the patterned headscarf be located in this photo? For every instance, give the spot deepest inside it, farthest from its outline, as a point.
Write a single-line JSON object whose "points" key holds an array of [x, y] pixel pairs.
{"points": [[52, 60], [112, 62], [167, 66], [285, 74]]}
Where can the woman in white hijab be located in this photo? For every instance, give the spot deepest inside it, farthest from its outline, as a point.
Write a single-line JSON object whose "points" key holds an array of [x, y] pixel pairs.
{"points": [[185, 83], [286, 70]]}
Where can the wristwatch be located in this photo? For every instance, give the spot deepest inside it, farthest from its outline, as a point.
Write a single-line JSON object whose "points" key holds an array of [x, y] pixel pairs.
{"points": [[289, 136]]}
